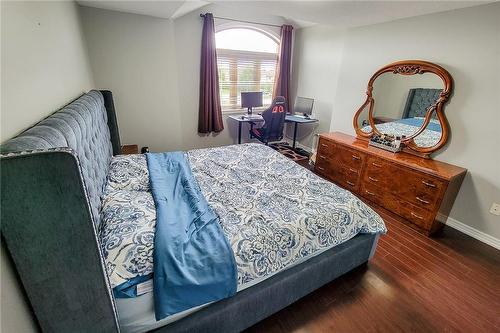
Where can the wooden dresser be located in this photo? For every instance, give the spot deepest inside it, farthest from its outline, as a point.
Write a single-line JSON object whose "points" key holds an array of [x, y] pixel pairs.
{"points": [[420, 191]]}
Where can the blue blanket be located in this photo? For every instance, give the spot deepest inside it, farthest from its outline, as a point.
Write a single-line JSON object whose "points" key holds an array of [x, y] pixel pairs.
{"points": [[417, 122], [193, 260]]}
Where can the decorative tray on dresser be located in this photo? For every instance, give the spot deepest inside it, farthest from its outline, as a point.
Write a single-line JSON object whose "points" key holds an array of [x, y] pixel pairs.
{"points": [[419, 190]]}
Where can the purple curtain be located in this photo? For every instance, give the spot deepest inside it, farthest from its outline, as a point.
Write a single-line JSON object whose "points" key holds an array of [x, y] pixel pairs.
{"points": [[210, 114], [282, 82]]}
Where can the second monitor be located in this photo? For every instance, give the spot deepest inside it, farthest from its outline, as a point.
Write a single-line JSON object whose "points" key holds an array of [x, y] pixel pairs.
{"points": [[303, 106]]}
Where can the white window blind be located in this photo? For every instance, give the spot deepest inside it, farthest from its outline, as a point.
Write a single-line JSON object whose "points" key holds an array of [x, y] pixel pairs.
{"points": [[245, 71]]}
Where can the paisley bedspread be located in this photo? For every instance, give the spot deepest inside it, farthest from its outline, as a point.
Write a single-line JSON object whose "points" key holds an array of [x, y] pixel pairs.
{"points": [[273, 212]]}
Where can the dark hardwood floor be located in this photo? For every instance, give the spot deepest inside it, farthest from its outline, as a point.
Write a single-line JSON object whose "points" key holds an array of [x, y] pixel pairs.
{"points": [[448, 283]]}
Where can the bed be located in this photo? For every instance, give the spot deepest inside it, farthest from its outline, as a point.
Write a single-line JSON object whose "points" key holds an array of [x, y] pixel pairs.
{"points": [[80, 223]]}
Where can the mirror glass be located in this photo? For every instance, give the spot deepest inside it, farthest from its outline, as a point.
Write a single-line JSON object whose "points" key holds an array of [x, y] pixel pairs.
{"points": [[363, 122], [401, 103]]}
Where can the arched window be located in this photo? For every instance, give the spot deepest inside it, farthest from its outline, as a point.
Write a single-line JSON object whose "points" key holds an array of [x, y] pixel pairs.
{"points": [[246, 60]]}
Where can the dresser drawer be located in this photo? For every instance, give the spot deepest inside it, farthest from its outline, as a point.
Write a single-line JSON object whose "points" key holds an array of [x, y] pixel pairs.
{"points": [[323, 166], [380, 196], [349, 184], [325, 148], [418, 216], [373, 193], [377, 172], [349, 157], [414, 214], [348, 171], [323, 159], [346, 180], [420, 189]]}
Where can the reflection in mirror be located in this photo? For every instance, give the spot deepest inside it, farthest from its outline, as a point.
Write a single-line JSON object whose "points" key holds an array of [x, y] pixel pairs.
{"points": [[431, 135], [401, 104], [363, 122]]}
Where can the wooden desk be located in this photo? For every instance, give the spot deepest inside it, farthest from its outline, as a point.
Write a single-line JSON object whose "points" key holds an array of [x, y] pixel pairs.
{"points": [[298, 120]]}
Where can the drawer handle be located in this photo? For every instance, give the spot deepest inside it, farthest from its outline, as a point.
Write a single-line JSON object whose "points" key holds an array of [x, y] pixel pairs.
{"points": [[354, 157], [373, 179], [350, 183], [370, 193], [417, 216], [376, 165], [322, 169], [428, 184], [422, 200], [323, 145], [353, 170], [322, 157]]}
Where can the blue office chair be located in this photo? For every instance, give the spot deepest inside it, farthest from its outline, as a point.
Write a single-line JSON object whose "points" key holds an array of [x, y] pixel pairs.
{"points": [[274, 122]]}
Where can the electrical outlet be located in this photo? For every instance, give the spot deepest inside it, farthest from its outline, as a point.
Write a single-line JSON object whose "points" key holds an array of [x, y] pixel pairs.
{"points": [[495, 209]]}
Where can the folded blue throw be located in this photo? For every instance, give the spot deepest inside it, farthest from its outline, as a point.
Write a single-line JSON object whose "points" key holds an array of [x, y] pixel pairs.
{"points": [[193, 260], [417, 122]]}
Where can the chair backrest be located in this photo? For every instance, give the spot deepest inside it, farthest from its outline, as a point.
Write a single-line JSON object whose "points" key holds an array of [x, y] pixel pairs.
{"points": [[419, 100], [274, 118]]}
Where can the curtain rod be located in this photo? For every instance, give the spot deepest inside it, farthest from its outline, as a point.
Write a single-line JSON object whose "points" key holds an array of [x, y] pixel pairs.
{"points": [[235, 20]]}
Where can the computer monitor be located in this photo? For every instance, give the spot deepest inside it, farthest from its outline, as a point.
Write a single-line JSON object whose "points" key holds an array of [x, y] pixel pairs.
{"points": [[303, 106], [250, 99]]}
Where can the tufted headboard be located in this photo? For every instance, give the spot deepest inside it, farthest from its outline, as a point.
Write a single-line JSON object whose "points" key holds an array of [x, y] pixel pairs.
{"points": [[83, 127], [419, 100], [52, 178]]}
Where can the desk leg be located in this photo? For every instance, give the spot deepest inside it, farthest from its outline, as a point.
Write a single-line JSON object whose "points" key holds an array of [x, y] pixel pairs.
{"points": [[239, 132], [294, 135]]}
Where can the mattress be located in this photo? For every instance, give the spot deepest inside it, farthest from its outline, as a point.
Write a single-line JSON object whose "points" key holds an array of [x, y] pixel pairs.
{"points": [[275, 214]]}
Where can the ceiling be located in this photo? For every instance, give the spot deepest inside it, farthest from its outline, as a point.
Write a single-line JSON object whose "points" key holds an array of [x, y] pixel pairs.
{"points": [[163, 9], [338, 14]]}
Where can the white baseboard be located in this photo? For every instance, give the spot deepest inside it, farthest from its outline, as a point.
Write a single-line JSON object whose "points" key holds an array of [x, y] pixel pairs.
{"points": [[474, 233]]}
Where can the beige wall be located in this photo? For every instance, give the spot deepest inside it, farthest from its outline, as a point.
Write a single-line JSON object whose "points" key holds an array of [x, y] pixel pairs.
{"points": [[44, 66], [466, 43]]}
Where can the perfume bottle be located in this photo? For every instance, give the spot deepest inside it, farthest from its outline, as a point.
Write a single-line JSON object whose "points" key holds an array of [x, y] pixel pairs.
{"points": [[397, 142]]}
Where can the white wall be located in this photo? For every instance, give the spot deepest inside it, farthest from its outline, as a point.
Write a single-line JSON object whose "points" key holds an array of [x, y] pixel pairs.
{"points": [[152, 65], [44, 66], [44, 62], [466, 43], [133, 56], [316, 66]]}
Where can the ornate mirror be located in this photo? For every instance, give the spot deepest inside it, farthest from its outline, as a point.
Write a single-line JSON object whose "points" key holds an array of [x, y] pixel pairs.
{"points": [[406, 99]]}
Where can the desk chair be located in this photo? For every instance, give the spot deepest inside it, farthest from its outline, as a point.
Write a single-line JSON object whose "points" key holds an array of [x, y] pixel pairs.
{"points": [[274, 122]]}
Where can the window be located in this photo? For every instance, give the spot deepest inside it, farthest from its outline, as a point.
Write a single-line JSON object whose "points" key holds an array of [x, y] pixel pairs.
{"points": [[246, 59]]}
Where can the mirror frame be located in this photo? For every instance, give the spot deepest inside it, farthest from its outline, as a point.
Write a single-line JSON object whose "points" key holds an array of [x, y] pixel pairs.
{"points": [[410, 67]]}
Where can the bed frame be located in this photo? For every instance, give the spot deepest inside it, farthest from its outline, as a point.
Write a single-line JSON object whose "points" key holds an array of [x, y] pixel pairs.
{"points": [[51, 176]]}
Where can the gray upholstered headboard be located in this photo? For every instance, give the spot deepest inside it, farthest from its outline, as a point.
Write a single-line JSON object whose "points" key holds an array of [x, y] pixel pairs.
{"points": [[83, 127], [419, 100], [52, 178]]}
